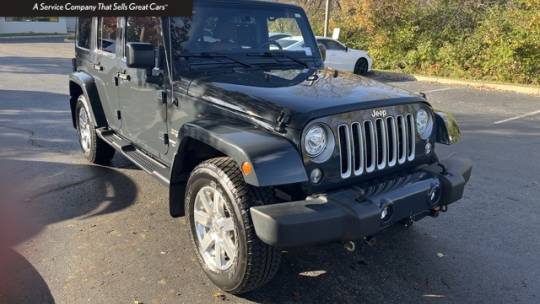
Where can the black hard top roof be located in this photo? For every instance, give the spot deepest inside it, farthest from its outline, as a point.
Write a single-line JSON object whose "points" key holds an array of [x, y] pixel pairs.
{"points": [[249, 2]]}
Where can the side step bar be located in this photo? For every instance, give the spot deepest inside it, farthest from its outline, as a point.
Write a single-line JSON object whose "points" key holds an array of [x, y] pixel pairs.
{"points": [[139, 158]]}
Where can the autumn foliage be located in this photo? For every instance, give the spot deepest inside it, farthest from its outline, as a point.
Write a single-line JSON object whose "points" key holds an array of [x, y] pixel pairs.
{"points": [[478, 39]]}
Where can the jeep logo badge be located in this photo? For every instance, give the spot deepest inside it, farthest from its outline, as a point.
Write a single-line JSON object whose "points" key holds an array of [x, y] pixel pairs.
{"points": [[379, 114]]}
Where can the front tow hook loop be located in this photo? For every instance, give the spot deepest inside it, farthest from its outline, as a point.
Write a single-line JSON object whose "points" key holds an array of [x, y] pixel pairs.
{"points": [[350, 246], [370, 241], [407, 223]]}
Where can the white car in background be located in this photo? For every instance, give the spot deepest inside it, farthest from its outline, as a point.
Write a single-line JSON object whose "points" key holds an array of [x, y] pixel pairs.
{"points": [[291, 43], [342, 58]]}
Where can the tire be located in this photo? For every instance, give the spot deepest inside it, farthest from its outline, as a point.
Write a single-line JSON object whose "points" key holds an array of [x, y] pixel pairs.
{"points": [[254, 263], [95, 150], [361, 67]]}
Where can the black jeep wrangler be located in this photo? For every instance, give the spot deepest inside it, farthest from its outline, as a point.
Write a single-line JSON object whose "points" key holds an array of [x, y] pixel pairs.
{"points": [[260, 146]]}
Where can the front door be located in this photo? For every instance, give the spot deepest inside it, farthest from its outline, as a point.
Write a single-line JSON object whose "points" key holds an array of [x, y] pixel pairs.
{"points": [[105, 68], [143, 113]]}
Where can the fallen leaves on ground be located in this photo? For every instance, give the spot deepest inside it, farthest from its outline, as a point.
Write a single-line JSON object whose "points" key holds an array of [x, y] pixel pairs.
{"points": [[219, 296]]}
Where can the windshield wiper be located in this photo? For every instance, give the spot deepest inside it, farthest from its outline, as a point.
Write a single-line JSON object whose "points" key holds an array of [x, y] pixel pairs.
{"points": [[215, 55], [280, 54]]}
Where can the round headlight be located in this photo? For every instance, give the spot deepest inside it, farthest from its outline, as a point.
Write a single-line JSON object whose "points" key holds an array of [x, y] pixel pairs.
{"points": [[424, 124], [315, 141]]}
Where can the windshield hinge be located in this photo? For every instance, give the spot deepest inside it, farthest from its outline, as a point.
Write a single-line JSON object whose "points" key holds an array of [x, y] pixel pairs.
{"points": [[166, 139], [282, 121], [162, 97]]}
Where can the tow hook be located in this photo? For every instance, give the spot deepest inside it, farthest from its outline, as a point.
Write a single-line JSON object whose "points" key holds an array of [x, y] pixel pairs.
{"points": [[437, 210], [350, 246], [370, 241], [407, 222]]}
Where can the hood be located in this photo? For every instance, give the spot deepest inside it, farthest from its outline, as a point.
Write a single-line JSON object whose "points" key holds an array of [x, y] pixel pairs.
{"points": [[297, 96]]}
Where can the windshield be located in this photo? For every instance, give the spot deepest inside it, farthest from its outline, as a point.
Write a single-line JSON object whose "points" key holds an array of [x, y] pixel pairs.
{"points": [[242, 35]]}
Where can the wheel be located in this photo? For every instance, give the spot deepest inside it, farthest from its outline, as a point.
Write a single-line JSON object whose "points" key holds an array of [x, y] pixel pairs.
{"points": [[217, 207], [95, 150], [361, 67]]}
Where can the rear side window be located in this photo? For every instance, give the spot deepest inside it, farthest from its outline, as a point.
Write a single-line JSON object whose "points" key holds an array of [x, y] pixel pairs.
{"points": [[144, 29], [333, 45], [107, 30], [84, 32]]}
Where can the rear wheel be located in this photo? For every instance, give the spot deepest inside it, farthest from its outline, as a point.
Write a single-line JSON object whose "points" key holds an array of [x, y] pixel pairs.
{"points": [[361, 67], [95, 150], [217, 206]]}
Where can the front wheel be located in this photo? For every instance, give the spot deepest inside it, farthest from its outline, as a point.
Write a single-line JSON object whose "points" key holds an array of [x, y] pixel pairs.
{"points": [[217, 207]]}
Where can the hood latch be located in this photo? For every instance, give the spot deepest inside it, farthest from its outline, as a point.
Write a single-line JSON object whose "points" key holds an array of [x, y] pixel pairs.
{"points": [[282, 121]]}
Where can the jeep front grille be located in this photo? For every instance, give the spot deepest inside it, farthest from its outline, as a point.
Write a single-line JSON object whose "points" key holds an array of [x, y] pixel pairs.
{"points": [[365, 147]]}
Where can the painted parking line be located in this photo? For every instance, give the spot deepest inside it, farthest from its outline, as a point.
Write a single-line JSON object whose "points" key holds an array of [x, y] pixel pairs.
{"points": [[517, 117], [439, 90]]}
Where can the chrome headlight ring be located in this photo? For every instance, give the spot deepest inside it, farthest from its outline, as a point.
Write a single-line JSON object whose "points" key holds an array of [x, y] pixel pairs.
{"points": [[318, 142]]}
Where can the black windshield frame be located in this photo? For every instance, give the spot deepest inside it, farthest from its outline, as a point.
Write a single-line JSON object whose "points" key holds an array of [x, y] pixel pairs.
{"points": [[182, 30]]}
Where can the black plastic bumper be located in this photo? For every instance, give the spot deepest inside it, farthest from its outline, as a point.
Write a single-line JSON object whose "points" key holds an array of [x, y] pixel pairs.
{"points": [[357, 212]]}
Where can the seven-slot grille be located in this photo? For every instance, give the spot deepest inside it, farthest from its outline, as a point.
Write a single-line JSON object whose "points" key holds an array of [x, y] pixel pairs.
{"points": [[369, 146]]}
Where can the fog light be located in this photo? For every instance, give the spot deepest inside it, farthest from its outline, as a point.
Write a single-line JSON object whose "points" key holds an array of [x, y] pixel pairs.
{"points": [[434, 194], [384, 213], [316, 176], [387, 213]]}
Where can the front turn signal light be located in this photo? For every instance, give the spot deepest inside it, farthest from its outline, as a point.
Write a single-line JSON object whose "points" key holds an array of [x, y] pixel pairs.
{"points": [[247, 168]]}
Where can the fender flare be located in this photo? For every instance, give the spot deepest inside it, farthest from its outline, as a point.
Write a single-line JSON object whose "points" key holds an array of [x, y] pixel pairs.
{"points": [[275, 160], [83, 83]]}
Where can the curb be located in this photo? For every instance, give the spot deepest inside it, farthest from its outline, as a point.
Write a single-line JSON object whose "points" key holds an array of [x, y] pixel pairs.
{"points": [[33, 37], [522, 89]]}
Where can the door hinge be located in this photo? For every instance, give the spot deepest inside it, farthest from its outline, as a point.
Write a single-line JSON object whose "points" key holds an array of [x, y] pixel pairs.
{"points": [[119, 115], [166, 139]]}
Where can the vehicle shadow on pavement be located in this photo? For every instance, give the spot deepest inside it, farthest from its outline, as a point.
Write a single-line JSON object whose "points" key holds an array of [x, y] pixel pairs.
{"points": [[331, 274], [35, 65], [66, 192], [43, 119]]}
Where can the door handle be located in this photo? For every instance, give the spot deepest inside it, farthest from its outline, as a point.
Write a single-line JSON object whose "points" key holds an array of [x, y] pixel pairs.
{"points": [[98, 67], [124, 77]]}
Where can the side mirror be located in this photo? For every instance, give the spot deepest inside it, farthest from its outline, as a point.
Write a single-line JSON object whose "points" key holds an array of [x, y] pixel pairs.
{"points": [[346, 49], [140, 55], [322, 49]]}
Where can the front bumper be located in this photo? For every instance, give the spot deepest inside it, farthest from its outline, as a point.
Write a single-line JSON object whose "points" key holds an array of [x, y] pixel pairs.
{"points": [[355, 213]]}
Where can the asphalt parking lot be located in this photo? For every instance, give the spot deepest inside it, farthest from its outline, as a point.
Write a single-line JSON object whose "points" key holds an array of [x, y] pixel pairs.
{"points": [[74, 233]]}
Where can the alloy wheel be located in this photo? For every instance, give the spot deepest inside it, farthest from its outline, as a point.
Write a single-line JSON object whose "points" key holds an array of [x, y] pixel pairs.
{"points": [[216, 232], [84, 130]]}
